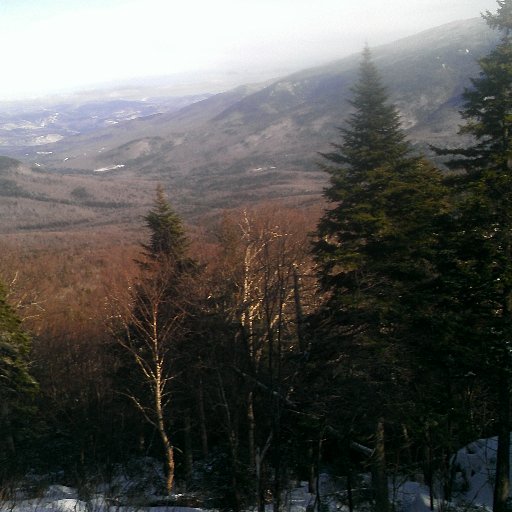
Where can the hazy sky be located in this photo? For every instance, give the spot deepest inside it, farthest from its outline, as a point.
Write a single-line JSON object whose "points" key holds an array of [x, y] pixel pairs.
{"points": [[52, 45]]}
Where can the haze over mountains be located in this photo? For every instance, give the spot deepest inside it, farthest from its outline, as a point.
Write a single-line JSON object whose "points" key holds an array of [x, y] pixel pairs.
{"points": [[211, 151]]}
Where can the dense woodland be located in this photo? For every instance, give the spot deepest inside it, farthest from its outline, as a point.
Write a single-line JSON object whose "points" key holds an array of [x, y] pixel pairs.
{"points": [[276, 343]]}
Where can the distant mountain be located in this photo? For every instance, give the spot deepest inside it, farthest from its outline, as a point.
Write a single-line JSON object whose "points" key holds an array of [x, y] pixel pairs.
{"points": [[262, 141], [287, 122], [37, 122]]}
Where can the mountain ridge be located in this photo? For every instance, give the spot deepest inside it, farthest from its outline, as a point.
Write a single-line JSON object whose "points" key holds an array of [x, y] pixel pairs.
{"points": [[262, 141]]}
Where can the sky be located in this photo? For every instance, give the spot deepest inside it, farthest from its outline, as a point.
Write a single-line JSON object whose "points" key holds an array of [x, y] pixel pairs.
{"points": [[52, 46]]}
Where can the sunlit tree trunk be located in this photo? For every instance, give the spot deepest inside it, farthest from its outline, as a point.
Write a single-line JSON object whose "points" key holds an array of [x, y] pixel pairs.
{"points": [[153, 326]]}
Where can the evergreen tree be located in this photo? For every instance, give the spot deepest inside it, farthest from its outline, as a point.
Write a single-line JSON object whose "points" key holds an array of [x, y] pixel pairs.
{"points": [[374, 252], [16, 383], [483, 240], [167, 235], [377, 240], [378, 189]]}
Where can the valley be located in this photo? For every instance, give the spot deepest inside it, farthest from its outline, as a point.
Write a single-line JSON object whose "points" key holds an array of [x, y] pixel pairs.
{"points": [[94, 162]]}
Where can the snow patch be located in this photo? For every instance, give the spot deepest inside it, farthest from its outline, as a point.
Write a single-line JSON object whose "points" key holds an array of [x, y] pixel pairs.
{"points": [[47, 139], [60, 491], [475, 466], [110, 168]]}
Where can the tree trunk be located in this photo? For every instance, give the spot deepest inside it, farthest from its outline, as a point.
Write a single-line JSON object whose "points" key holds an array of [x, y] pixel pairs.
{"points": [[5, 425], [260, 476], [168, 448], [236, 504], [260, 497], [169, 459], [407, 445], [278, 476], [299, 315], [312, 469], [251, 421], [502, 486], [379, 473], [141, 443], [233, 448], [428, 465], [189, 458], [169, 480], [318, 497], [202, 419], [349, 490]]}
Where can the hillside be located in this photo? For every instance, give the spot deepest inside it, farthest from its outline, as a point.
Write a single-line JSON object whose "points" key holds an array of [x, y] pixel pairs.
{"points": [[253, 142], [34, 199]]}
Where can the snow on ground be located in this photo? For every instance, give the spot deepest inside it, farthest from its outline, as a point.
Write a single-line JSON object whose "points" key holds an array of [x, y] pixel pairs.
{"points": [[474, 474], [58, 498], [475, 466], [110, 168], [477, 462]]}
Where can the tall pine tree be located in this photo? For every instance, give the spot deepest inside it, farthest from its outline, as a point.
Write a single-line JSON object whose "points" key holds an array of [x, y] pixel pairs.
{"points": [[483, 250], [383, 197], [374, 251]]}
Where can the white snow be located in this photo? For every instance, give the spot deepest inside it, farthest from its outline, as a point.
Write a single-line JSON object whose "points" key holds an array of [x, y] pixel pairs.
{"points": [[474, 470], [477, 464], [110, 168]]}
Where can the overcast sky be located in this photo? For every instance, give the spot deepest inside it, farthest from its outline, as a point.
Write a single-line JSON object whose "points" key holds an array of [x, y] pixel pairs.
{"points": [[57, 45]]}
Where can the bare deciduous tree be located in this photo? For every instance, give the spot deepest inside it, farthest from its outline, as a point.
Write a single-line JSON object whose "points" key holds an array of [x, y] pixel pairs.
{"points": [[152, 325]]}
